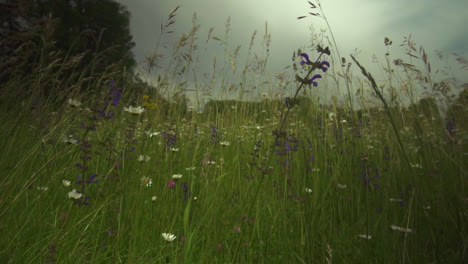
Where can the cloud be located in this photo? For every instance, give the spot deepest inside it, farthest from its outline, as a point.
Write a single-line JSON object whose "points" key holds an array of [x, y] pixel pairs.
{"points": [[355, 24]]}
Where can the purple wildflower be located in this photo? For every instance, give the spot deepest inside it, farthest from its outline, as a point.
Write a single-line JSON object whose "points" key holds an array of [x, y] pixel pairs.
{"points": [[306, 57], [171, 184], [324, 69], [316, 76]]}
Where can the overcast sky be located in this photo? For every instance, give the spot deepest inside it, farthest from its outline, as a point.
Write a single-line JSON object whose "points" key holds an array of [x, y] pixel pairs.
{"points": [[356, 24]]}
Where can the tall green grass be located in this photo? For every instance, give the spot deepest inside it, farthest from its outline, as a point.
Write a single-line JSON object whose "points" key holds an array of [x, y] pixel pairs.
{"points": [[262, 182]]}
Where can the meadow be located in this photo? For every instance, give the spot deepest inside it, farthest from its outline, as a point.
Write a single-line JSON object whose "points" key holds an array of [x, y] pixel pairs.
{"points": [[109, 170]]}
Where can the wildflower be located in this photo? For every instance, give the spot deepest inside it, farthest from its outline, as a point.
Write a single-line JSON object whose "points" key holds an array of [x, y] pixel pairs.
{"points": [[116, 95], [74, 194], [195, 198], [365, 236], [308, 62], [66, 183], [174, 149], [323, 63], [308, 190], [176, 176], [151, 134], [134, 110], [225, 143], [42, 188], [401, 229], [74, 102], [142, 158], [306, 57], [237, 229], [312, 80], [168, 237], [315, 169], [70, 140], [146, 181], [190, 169], [341, 186], [89, 181], [331, 116], [344, 121], [154, 198], [106, 113], [171, 184]]}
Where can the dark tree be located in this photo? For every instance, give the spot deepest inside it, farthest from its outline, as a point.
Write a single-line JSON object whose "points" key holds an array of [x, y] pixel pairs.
{"points": [[94, 25], [98, 28]]}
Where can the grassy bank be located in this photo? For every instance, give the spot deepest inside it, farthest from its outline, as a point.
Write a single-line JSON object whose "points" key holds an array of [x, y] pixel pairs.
{"points": [[87, 178]]}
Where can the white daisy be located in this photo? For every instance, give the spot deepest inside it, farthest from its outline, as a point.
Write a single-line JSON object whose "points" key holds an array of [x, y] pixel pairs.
{"points": [[134, 110], [66, 183], [146, 181], [74, 194], [365, 236], [176, 176], [151, 134], [70, 140], [74, 102], [144, 158], [401, 229], [225, 143], [168, 237]]}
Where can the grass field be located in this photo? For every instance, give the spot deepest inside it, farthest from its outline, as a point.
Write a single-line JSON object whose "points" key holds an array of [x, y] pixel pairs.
{"points": [[116, 174]]}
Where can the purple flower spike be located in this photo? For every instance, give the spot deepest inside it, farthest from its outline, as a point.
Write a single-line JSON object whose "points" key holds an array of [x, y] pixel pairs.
{"points": [[306, 57], [85, 202], [316, 76], [91, 179], [324, 69]]}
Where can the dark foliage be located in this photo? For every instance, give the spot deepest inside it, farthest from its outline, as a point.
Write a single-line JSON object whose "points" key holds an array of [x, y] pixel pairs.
{"points": [[98, 31]]}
